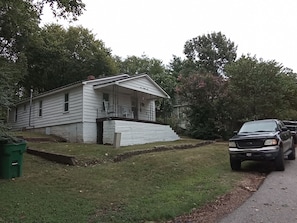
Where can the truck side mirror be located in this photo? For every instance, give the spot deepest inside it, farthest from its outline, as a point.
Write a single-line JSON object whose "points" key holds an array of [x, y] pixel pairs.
{"points": [[284, 129]]}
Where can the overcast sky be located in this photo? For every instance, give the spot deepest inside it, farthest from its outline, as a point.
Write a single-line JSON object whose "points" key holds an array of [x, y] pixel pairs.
{"points": [[160, 28]]}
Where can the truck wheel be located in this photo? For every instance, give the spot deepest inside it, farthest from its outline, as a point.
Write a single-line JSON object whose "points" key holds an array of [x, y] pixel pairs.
{"points": [[235, 164], [292, 155], [280, 161]]}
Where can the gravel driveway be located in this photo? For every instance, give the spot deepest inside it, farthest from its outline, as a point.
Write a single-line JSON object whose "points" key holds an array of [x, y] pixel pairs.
{"points": [[274, 202]]}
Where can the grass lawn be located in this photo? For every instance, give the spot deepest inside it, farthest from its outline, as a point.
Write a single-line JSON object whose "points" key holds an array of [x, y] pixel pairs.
{"points": [[149, 187]]}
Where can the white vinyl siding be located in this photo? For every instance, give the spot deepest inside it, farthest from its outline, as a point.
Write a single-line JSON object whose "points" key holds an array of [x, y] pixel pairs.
{"points": [[90, 132], [22, 118], [52, 110], [143, 85], [92, 104], [66, 102]]}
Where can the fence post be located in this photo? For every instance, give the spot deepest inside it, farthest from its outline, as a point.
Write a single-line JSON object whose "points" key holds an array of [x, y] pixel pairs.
{"points": [[117, 140]]}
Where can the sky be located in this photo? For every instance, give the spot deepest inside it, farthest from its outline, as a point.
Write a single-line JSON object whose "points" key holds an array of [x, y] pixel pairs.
{"points": [[159, 29]]}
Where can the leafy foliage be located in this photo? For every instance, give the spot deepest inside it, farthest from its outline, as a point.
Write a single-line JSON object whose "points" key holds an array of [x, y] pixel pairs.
{"points": [[19, 20], [67, 9], [210, 53], [59, 56], [204, 94], [251, 89], [10, 72], [261, 89]]}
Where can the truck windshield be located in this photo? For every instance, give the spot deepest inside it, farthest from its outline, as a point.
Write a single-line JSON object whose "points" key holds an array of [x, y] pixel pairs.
{"points": [[258, 126]]}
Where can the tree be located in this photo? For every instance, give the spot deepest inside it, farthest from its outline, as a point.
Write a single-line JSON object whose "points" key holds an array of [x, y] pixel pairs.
{"points": [[59, 56], [138, 65], [259, 89], [289, 88], [19, 20], [204, 96], [67, 9], [210, 53], [10, 72]]}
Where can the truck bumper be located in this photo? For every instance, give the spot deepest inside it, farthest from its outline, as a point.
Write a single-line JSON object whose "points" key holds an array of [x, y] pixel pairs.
{"points": [[254, 154]]}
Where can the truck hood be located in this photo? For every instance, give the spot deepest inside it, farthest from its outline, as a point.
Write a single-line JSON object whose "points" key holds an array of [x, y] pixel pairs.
{"points": [[253, 135]]}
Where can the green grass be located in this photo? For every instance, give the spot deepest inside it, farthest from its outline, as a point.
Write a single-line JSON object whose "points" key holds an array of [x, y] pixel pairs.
{"points": [[150, 187]]}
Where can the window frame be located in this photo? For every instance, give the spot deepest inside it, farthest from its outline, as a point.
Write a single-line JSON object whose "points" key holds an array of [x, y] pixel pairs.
{"points": [[40, 108], [16, 114], [66, 102]]}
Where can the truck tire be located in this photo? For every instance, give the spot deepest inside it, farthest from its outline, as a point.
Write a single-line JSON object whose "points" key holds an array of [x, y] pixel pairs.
{"points": [[292, 155], [280, 161], [235, 164]]}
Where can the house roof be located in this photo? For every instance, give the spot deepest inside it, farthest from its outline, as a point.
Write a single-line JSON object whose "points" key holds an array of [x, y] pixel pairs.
{"points": [[153, 88], [119, 80]]}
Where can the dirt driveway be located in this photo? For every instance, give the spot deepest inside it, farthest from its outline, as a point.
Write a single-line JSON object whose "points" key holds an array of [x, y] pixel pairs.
{"points": [[274, 202]]}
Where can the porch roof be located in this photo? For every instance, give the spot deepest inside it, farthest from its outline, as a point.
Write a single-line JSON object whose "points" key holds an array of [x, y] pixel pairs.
{"points": [[136, 83]]}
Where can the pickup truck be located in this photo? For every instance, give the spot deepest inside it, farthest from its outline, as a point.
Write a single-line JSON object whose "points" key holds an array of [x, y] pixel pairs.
{"points": [[292, 126], [267, 139]]}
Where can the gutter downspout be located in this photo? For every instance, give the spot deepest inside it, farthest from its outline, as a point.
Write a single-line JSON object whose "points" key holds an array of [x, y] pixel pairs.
{"points": [[30, 109]]}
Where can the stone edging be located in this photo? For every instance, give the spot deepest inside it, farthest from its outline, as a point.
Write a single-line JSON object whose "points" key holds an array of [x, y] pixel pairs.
{"points": [[70, 160], [59, 158], [127, 155]]}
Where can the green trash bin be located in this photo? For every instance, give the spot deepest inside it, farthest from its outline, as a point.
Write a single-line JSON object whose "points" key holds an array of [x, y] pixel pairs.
{"points": [[11, 159]]}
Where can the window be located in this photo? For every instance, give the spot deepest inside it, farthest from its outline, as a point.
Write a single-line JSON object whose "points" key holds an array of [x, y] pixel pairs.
{"points": [[25, 107], [40, 108], [66, 102], [16, 114]]}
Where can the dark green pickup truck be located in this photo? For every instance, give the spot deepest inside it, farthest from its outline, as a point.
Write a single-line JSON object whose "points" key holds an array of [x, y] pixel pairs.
{"points": [[268, 139]]}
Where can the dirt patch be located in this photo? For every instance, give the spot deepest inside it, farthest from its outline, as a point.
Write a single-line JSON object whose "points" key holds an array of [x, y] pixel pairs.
{"points": [[223, 205]]}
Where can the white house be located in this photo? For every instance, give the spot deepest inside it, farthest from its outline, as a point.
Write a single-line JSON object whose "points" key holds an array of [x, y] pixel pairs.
{"points": [[96, 110]]}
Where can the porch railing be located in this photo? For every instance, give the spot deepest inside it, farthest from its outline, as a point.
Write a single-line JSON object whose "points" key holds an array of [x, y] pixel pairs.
{"points": [[128, 112]]}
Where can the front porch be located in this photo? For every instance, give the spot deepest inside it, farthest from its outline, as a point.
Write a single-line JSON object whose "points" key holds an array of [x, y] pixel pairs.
{"points": [[122, 102]]}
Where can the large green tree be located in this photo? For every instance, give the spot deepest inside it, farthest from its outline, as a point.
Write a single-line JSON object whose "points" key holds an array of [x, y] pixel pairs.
{"points": [[260, 89], [204, 95], [19, 20], [138, 65], [210, 53], [250, 89], [59, 56]]}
